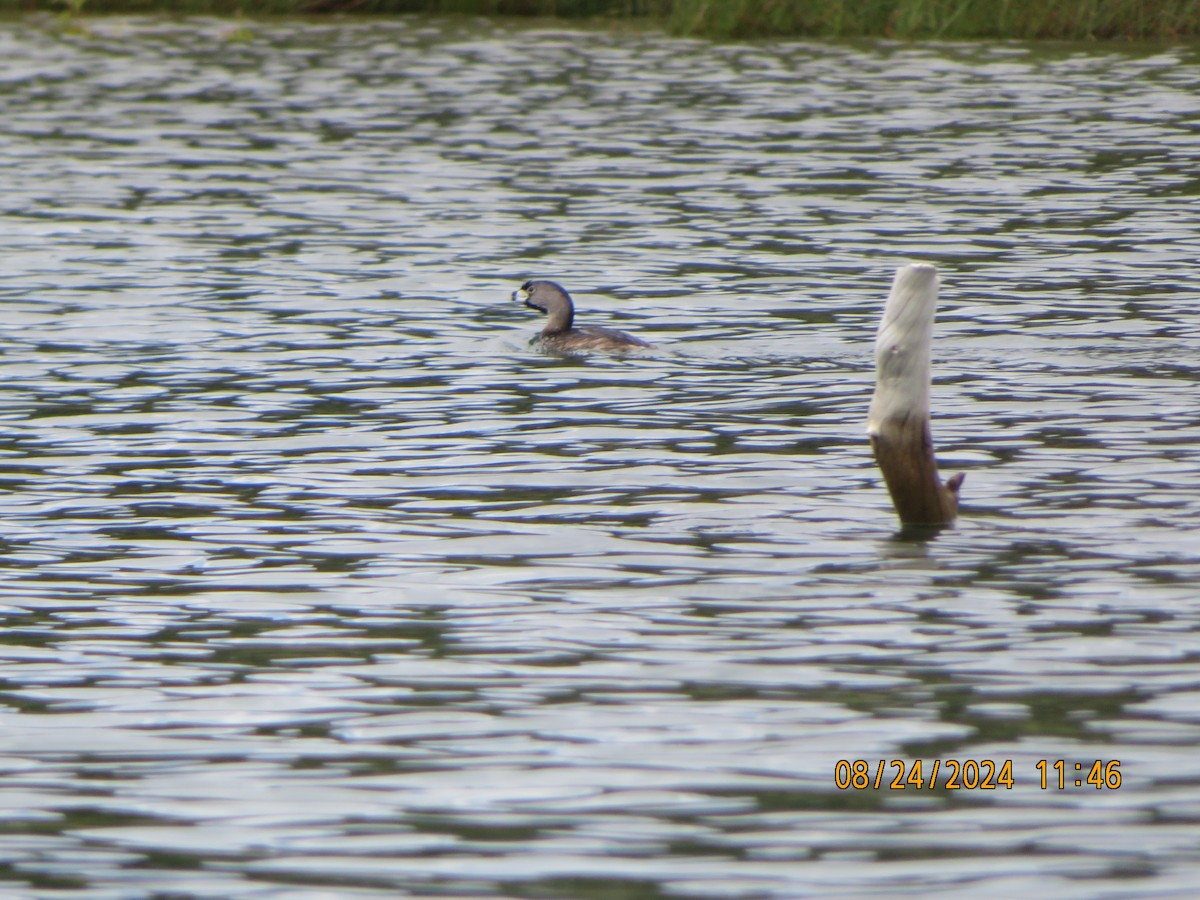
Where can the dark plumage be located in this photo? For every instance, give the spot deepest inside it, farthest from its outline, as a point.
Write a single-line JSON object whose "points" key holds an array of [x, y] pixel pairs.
{"points": [[560, 334]]}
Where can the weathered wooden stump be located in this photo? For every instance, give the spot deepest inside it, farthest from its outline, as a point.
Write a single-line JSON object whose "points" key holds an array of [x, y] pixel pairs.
{"points": [[898, 422]]}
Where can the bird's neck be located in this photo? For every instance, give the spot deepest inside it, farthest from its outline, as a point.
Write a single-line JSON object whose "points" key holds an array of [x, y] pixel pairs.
{"points": [[558, 321]]}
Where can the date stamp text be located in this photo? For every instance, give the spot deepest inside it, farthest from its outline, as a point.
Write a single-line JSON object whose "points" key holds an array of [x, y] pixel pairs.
{"points": [[972, 774]]}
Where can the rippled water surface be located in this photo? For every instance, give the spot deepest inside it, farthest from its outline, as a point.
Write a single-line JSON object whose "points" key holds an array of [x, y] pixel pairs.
{"points": [[317, 581]]}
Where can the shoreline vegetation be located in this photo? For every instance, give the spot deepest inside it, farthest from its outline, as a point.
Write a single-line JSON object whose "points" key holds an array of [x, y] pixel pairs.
{"points": [[1073, 20]]}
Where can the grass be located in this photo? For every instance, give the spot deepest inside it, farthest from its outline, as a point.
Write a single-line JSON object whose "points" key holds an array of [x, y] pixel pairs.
{"points": [[1058, 19], [1140, 20]]}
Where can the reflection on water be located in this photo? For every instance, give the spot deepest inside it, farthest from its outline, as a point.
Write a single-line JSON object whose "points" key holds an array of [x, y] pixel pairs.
{"points": [[318, 580]]}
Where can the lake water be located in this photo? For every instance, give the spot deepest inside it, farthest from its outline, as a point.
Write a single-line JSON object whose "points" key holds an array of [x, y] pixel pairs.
{"points": [[317, 581]]}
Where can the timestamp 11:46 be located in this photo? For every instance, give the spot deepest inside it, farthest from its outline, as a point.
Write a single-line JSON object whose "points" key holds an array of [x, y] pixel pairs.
{"points": [[1058, 774]]}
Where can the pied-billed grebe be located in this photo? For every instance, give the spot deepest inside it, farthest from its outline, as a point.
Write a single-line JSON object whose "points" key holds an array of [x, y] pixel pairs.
{"points": [[560, 335]]}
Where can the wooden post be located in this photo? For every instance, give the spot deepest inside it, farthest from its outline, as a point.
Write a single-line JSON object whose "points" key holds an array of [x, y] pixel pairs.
{"points": [[898, 422]]}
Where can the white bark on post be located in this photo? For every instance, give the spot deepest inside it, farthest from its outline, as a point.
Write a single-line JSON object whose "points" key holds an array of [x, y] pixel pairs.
{"points": [[898, 422]]}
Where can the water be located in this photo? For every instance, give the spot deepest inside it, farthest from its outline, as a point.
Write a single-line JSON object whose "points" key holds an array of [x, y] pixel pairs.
{"points": [[317, 581]]}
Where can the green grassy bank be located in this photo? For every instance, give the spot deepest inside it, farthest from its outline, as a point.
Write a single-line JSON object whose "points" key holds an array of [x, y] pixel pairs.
{"points": [[1154, 20]]}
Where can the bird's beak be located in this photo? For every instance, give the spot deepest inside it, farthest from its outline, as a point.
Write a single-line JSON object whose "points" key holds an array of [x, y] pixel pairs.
{"points": [[520, 295]]}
